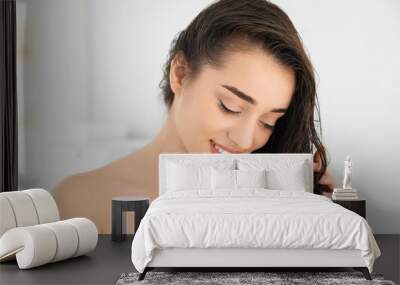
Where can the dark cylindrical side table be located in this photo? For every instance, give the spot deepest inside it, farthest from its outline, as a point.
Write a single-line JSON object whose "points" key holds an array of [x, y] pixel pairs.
{"points": [[123, 204]]}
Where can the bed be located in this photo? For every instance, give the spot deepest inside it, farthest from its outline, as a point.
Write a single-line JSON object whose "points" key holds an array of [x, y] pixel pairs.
{"points": [[247, 211]]}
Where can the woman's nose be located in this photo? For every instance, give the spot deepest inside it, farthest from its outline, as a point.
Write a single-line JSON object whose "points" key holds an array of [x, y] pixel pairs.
{"points": [[243, 136]]}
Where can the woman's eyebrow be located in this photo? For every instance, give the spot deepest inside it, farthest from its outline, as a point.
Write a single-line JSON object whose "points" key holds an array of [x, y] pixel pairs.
{"points": [[248, 98]]}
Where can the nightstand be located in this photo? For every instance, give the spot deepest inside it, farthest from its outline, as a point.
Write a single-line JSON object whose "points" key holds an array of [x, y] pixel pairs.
{"points": [[123, 204], [357, 206]]}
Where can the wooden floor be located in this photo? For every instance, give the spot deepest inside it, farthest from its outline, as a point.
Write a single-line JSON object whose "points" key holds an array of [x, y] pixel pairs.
{"points": [[111, 259]]}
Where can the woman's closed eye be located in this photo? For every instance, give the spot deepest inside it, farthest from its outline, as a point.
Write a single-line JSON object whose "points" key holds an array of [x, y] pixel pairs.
{"points": [[229, 111], [226, 109]]}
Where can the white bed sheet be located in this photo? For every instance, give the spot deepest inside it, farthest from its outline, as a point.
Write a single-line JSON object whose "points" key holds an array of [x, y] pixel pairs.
{"points": [[250, 218]]}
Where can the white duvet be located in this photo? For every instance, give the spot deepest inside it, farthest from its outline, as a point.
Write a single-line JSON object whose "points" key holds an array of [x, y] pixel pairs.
{"points": [[251, 218]]}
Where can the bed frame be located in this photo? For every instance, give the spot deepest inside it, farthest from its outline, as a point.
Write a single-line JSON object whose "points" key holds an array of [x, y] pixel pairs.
{"points": [[236, 259], [250, 259]]}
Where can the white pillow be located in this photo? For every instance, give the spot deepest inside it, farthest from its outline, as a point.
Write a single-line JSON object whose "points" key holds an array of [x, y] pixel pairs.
{"points": [[294, 179], [251, 178], [282, 174], [223, 179], [188, 177], [236, 179]]}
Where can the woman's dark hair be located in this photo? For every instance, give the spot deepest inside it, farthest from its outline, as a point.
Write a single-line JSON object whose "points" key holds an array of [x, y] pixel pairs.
{"points": [[224, 26]]}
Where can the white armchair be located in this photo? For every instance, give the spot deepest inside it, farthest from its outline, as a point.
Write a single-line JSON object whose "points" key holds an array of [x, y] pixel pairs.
{"points": [[32, 233]]}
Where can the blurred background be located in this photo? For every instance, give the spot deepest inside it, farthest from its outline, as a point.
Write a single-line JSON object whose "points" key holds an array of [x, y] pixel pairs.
{"points": [[88, 74]]}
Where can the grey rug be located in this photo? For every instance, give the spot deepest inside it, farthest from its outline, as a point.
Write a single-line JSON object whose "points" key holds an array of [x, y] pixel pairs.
{"points": [[225, 278]]}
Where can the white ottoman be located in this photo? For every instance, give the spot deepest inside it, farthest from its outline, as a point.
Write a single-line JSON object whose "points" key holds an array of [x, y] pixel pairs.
{"points": [[31, 233]]}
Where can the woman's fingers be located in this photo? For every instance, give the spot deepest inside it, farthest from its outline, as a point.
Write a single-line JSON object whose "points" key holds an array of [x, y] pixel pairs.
{"points": [[327, 178]]}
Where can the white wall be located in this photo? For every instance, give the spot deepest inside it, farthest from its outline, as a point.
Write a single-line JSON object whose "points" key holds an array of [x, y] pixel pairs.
{"points": [[88, 68], [354, 46]]}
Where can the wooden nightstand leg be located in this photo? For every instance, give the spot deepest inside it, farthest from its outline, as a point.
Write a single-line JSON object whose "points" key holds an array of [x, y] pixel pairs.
{"points": [[364, 271], [117, 222]]}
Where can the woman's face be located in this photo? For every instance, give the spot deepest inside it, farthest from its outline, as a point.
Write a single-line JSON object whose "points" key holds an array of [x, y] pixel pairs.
{"points": [[232, 108]]}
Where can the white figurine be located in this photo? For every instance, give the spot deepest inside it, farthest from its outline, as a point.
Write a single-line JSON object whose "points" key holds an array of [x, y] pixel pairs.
{"points": [[347, 173]]}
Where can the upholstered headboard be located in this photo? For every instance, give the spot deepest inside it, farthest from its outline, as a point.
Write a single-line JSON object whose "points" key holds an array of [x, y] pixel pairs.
{"points": [[247, 160]]}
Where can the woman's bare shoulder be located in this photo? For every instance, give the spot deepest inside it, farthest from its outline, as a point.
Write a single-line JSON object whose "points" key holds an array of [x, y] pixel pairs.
{"points": [[125, 172], [89, 194], [79, 183]]}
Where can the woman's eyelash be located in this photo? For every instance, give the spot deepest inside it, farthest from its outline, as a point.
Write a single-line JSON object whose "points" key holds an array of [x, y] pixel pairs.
{"points": [[227, 110], [267, 126]]}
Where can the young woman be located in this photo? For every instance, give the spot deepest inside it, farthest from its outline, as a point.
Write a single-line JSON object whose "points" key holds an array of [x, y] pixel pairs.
{"points": [[237, 80]]}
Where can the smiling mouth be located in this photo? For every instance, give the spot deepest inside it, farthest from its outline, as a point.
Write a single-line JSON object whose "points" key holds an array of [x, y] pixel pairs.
{"points": [[216, 148]]}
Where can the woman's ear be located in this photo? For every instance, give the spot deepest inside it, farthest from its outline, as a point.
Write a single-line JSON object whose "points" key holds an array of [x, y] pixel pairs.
{"points": [[178, 71]]}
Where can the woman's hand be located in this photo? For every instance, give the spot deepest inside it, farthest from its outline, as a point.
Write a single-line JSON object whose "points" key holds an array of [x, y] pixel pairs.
{"points": [[327, 180]]}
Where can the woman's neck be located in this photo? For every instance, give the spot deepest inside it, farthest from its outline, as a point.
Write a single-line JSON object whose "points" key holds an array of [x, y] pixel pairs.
{"points": [[167, 140]]}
